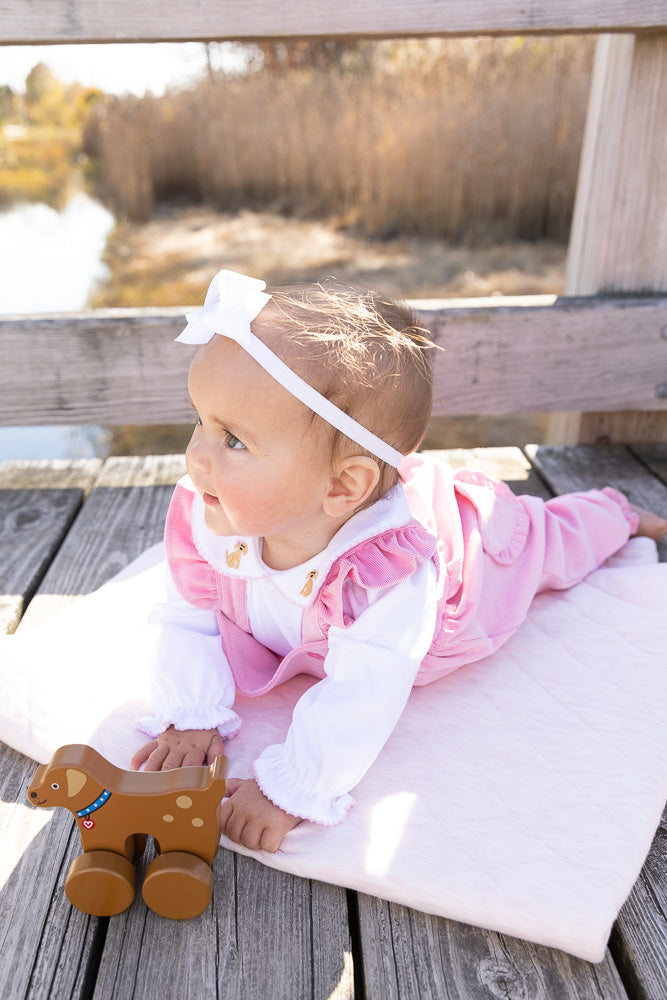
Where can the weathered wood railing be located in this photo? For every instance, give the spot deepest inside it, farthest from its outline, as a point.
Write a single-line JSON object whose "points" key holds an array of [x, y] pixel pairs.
{"points": [[121, 366], [605, 357], [182, 20]]}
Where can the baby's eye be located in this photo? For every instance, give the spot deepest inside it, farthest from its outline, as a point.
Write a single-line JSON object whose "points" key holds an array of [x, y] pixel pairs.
{"points": [[196, 419], [234, 443]]}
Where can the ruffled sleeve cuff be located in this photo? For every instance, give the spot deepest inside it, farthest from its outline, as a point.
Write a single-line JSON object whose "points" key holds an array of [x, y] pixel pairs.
{"points": [[631, 516], [282, 787], [225, 720]]}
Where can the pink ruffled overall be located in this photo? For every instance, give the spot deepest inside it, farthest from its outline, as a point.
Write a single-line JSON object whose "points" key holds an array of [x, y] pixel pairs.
{"points": [[493, 552]]}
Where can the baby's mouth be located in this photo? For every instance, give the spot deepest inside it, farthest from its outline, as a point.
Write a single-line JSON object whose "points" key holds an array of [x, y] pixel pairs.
{"points": [[210, 500]]}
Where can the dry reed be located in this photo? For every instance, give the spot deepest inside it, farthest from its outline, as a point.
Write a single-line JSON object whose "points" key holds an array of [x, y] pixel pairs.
{"points": [[437, 137]]}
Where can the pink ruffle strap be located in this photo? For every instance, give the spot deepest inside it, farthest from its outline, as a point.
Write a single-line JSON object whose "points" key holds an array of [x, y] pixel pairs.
{"points": [[196, 580], [193, 576], [376, 563]]}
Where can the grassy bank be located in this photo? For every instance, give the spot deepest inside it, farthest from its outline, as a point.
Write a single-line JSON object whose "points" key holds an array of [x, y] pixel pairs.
{"points": [[170, 259], [39, 163]]}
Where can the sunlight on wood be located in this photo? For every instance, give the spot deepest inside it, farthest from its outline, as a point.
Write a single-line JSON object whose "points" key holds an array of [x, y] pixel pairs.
{"points": [[19, 825], [11, 606], [345, 988], [44, 605]]}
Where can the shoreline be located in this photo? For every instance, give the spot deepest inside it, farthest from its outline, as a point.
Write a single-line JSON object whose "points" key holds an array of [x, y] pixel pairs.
{"points": [[170, 259]]}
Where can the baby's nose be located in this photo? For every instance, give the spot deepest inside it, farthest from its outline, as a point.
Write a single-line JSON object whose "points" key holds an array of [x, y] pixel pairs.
{"points": [[197, 454]]}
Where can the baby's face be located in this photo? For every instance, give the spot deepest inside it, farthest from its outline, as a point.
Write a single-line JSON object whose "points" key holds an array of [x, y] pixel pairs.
{"points": [[255, 457]]}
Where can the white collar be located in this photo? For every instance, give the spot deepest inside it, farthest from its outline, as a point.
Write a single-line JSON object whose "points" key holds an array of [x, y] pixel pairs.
{"points": [[241, 557]]}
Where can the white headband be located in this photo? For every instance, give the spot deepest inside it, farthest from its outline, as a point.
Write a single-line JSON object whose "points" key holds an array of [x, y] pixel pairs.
{"points": [[232, 302]]}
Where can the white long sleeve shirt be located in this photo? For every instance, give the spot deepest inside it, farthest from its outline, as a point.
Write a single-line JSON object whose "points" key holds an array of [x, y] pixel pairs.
{"points": [[342, 722]]}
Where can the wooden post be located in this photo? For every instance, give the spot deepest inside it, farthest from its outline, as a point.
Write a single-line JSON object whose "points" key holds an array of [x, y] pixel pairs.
{"points": [[619, 230]]}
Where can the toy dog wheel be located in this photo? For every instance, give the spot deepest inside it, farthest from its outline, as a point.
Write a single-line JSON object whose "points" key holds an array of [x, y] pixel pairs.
{"points": [[101, 883], [178, 885]]}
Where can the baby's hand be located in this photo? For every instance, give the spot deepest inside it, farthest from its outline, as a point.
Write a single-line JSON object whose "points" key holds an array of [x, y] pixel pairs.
{"points": [[249, 818], [179, 748]]}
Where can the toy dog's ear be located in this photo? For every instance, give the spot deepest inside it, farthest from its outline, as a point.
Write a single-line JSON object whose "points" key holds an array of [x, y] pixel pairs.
{"points": [[75, 781]]}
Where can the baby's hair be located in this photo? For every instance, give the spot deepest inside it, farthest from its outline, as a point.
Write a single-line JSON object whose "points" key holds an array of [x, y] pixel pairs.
{"points": [[365, 352]]}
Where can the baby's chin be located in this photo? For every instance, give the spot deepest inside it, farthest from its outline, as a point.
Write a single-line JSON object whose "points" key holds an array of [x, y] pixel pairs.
{"points": [[216, 521]]}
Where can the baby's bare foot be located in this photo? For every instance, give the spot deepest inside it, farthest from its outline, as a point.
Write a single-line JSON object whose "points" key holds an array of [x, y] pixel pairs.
{"points": [[650, 525]]}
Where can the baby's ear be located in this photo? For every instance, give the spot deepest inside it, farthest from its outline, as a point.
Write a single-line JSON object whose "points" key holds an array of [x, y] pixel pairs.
{"points": [[352, 483]]}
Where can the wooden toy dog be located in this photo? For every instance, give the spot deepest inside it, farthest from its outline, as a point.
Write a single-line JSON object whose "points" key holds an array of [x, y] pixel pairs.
{"points": [[115, 810]]}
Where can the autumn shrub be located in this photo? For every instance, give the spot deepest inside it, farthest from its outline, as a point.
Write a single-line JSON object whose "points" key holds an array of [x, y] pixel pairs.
{"points": [[436, 137]]}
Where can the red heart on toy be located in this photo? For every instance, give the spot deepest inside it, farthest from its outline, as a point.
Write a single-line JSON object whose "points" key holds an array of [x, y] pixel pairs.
{"points": [[88, 823]]}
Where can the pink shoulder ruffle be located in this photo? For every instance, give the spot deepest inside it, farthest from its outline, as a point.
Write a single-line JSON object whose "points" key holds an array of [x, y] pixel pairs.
{"points": [[503, 520], [194, 577], [376, 563]]}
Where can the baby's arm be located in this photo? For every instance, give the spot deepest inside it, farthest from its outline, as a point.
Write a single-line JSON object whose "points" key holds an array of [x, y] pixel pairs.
{"points": [[192, 689], [340, 724]]}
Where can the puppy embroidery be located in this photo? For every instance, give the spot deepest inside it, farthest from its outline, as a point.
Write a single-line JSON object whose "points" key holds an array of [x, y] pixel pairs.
{"points": [[307, 588], [233, 559]]}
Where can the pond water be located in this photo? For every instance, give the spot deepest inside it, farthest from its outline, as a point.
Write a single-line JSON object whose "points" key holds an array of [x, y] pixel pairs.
{"points": [[49, 262]]}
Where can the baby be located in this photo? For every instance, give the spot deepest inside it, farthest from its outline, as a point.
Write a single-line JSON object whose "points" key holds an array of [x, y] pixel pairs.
{"points": [[310, 538]]}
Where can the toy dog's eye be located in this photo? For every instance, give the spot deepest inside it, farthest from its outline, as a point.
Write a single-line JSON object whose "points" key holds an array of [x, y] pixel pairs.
{"points": [[55, 786]]}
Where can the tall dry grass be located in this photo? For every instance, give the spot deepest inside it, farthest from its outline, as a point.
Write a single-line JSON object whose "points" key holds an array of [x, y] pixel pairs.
{"points": [[437, 137]]}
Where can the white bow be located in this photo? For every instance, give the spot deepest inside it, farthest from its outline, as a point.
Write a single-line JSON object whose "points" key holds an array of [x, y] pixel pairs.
{"points": [[231, 304]]}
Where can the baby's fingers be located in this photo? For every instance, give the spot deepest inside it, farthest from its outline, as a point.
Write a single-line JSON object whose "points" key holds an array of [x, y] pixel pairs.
{"points": [[232, 821], [232, 785], [156, 760], [216, 748], [188, 758], [271, 839], [142, 754]]}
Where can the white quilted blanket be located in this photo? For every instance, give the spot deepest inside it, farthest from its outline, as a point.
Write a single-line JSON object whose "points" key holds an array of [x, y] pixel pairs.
{"points": [[520, 794]]}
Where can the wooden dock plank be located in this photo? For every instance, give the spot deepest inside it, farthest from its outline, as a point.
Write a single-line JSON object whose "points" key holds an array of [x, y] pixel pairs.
{"points": [[585, 467], [51, 943], [307, 958], [639, 938], [44, 474], [42, 940], [410, 955], [122, 517], [509, 464], [654, 456], [141, 951], [38, 502], [33, 524], [266, 934]]}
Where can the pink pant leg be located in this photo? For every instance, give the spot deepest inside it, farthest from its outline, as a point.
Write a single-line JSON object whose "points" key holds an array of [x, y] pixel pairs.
{"points": [[581, 530], [566, 539]]}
